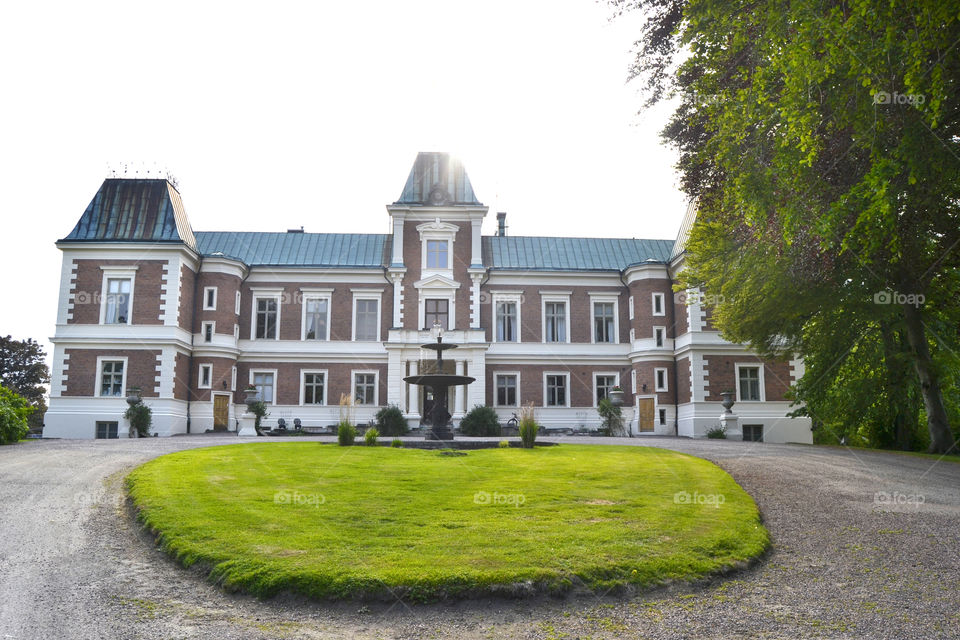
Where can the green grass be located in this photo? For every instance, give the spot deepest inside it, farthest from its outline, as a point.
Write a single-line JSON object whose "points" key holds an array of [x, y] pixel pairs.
{"points": [[378, 522]]}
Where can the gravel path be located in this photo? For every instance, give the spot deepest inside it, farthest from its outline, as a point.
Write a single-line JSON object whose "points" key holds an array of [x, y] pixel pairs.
{"points": [[866, 545]]}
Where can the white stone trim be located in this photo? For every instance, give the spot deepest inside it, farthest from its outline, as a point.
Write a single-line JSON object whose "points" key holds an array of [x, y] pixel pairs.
{"points": [[67, 297], [797, 370], [200, 369], [203, 330], [654, 295], [657, 387], [206, 291]]}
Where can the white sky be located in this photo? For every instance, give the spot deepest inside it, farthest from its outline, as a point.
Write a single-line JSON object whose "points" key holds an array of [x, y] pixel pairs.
{"points": [[276, 115]]}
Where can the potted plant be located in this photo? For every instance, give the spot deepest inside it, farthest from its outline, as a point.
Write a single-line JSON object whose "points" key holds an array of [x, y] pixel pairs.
{"points": [[140, 417], [134, 396], [616, 396], [251, 395]]}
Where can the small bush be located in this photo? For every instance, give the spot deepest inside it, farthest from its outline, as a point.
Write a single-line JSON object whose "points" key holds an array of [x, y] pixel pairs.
{"points": [[504, 444], [14, 411], [140, 417], [717, 433], [346, 434], [396, 443], [370, 437], [390, 422], [528, 427], [480, 421], [612, 418], [259, 410]]}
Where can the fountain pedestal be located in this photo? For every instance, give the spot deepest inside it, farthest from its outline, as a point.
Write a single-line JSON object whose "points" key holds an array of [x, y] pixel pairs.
{"points": [[439, 383]]}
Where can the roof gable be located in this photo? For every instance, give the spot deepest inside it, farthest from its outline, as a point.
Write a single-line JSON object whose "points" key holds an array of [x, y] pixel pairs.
{"points": [[437, 180]]}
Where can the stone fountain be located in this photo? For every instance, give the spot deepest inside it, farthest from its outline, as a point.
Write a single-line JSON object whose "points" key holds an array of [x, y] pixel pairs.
{"points": [[439, 383]]}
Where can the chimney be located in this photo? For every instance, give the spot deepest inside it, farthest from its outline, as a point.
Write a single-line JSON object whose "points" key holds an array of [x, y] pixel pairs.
{"points": [[501, 223], [300, 230]]}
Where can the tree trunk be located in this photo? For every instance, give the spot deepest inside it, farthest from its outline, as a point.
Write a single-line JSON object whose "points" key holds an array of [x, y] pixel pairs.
{"points": [[941, 438], [896, 388]]}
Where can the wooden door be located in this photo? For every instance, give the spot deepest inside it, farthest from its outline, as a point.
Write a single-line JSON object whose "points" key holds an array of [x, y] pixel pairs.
{"points": [[221, 412], [646, 414]]}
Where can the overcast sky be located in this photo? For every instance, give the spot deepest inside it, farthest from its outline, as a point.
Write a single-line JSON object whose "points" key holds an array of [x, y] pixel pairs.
{"points": [[277, 115]]}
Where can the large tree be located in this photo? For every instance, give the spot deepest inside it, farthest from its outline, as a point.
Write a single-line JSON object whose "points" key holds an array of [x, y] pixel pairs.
{"points": [[822, 140], [23, 370]]}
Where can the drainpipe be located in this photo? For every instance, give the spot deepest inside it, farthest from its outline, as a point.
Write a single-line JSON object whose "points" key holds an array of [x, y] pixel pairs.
{"points": [[676, 376], [193, 331]]}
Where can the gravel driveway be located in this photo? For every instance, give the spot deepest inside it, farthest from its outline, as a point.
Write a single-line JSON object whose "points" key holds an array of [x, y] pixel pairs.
{"points": [[866, 545]]}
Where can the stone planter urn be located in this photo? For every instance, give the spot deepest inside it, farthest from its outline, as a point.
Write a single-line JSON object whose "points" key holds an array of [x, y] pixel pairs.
{"points": [[133, 396], [251, 396], [728, 400], [616, 396]]}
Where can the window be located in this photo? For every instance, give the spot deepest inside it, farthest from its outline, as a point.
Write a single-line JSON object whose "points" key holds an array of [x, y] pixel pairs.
{"points": [[367, 319], [603, 322], [111, 378], [106, 430], [316, 313], [633, 380], [603, 384], [436, 311], [233, 379], [365, 388], [117, 301], [437, 254], [658, 336], [753, 432], [313, 387], [658, 308], [265, 382], [630, 307], [663, 416], [207, 331], [555, 321], [749, 388], [556, 395], [506, 388], [660, 379], [267, 317], [236, 331], [206, 375], [209, 298], [507, 322], [237, 305]]}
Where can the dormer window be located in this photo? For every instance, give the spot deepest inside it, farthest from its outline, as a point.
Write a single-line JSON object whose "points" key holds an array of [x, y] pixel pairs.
{"points": [[437, 254]]}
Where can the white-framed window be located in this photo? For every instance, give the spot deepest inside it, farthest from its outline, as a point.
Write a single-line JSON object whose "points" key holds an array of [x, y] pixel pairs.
{"points": [[111, 377], [438, 254], [556, 389], [237, 304], [116, 299], [603, 383], [506, 389], [366, 317], [436, 311], [659, 308], [633, 335], [207, 329], [633, 381], [265, 323], [315, 323], [236, 331], [205, 379], [313, 386], [209, 298], [605, 315], [107, 430], [233, 378], [556, 318], [630, 307], [660, 379], [663, 416], [365, 388], [265, 380], [749, 382], [658, 335], [506, 316]]}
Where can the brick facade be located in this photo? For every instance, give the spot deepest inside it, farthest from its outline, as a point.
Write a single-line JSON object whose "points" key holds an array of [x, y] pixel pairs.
{"points": [[83, 378], [87, 291], [224, 315], [723, 376]]}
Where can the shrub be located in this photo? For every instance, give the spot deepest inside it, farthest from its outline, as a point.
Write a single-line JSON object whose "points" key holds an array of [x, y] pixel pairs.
{"points": [[140, 417], [370, 437], [717, 433], [480, 421], [396, 443], [504, 444], [612, 418], [390, 422], [528, 426], [259, 410], [346, 434], [14, 411]]}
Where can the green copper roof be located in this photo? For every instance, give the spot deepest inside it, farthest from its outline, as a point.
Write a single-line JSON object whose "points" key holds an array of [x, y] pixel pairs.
{"points": [[134, 210], [437, 179], [296, 249], [538, 253]]}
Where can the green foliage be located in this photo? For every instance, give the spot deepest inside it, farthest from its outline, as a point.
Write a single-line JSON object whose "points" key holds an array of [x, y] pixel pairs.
{"points": [[346, 434], [140, 417], [504, 444], [717, 432], [390, 421], [612, 417], [15, 411], [528, 427], [480, 421], [396, 443], [370, 437], [259, 410], [23, 369], [399, 541]]}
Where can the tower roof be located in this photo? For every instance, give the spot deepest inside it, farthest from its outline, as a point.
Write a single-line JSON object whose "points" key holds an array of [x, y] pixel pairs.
{"points": [[437, 179], [134, 210]]}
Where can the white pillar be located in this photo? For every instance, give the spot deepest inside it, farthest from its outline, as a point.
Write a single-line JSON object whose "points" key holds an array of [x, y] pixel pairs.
{"points": [[458, 410], [397, 300], [397, 239], [475, 251], [414, 392]]}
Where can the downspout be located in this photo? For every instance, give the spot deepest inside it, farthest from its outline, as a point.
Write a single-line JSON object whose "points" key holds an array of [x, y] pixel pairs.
{"points": [[193, 331], [676, 376]]}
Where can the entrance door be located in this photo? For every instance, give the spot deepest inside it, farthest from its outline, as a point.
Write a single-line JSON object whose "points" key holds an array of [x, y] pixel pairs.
{"points": [[221, 412], [646, 411]]}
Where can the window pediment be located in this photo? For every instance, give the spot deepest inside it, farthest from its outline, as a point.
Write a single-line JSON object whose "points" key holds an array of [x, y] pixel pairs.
{"points": [[436, 281]]}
